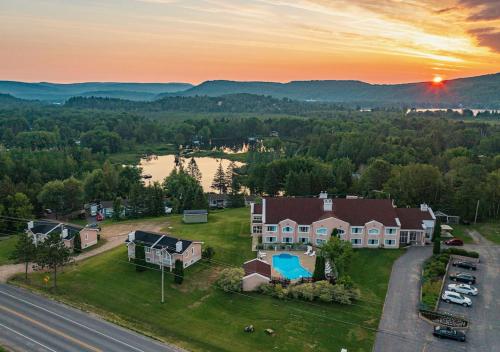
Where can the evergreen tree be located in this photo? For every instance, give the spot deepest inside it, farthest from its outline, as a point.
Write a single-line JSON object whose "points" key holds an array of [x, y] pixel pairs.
{"points": [[136, 200], [178, 272], [230, 174], [52, 253], [219, 182], [235, 198], [24, 251], [193, 170], [319, 268], [208, 253], [335, 232], [18, 206], [77, 243], [140, 257], [436, 237], [117, 208]]}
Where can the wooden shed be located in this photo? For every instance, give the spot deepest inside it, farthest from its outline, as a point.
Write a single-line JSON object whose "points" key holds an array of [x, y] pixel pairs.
{"points": [[195, 216]]}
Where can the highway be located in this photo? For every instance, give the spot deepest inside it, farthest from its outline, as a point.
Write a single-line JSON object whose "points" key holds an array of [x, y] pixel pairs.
{"points": [[29, 322]]}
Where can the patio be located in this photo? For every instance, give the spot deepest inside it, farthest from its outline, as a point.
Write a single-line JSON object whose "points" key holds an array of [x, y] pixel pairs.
{"points": [[306, 261]]}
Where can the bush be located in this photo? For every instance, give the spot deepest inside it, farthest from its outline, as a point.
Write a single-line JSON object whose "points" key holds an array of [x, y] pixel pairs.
{"points": [[347, 282], [324, 291], [463, 252], [319, 268], [178, 272], [230, 279], [431, 290], [208, 253]]}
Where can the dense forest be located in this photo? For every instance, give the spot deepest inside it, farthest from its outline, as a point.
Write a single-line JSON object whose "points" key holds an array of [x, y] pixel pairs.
{"points": [[59, 157]]}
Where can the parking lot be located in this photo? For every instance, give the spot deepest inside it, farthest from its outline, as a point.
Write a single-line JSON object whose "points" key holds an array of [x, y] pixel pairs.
{"points": [[402, 330], [484, 314]]}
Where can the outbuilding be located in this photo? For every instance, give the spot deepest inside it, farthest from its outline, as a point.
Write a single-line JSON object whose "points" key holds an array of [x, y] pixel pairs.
{"points": [[257, 272], [195, 216]]}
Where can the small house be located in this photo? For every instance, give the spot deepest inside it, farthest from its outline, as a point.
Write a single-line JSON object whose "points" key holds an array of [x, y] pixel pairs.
{"points": [[195, 216], [40, 230], [257, 272], [217, 201], [163, 249]]}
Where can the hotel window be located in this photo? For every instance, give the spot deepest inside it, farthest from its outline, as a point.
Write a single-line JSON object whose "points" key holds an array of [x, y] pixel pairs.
{"points": [[148, 249], [322, 231], [403, 237], [356, 241], [373, 232], [287, 229], [148, 259], [303, 228], [340, 232], [271, 228], [390, 242], [356, 229], [390, 231], [257, 229], [271, 239], [304, 239], [373, 242], [287, 240], [320, 242]]}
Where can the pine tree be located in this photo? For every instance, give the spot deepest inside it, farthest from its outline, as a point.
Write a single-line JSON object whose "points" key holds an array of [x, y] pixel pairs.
{"points": [[52, 253], [319, 268], [117, 208], [77, 244], [193, 170], [140, 257], [219, 183], [230, 174], [178, 272], [24, 252]]}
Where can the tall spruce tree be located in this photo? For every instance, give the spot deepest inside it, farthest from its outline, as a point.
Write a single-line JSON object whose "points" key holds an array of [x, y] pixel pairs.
{"points": [[24, 251], [52, 253], [219, 182], [193, 170]]}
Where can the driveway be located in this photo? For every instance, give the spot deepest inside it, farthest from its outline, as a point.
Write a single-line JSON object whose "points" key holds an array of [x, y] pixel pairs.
{"points": [[401, 329], [115, 235]]}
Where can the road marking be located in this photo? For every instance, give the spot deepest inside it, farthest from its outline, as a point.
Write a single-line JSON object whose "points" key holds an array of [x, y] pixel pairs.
{"points": [[48, 328], [74, 322], [27, 338]]}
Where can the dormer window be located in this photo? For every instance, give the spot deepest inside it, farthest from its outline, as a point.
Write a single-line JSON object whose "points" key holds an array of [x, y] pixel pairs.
{"points": [[287, 229], [322, 231], [373, 232]]}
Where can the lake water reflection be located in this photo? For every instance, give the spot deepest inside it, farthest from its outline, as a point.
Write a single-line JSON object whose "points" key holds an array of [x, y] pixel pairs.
{"points": [[163, 165]]}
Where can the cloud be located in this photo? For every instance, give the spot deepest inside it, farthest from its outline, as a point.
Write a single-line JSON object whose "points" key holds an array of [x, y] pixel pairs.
{"points": [[483, 10], [489, 37]]}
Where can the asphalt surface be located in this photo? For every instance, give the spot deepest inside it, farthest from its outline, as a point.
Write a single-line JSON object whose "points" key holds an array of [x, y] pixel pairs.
{"points": [[29, 322], [402, 330]]}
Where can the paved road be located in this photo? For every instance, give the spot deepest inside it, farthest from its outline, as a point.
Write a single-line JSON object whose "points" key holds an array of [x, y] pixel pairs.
{"points": [[33, 323], [401, 329]]}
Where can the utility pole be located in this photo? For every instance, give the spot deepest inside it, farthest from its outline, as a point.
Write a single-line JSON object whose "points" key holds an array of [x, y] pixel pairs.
{"points": [[477, 208], [162, 285]]}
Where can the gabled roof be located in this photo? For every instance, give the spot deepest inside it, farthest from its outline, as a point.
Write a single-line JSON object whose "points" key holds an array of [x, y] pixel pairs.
{"points": [[160, 241], [356, 212], [412, 218], [257, 266], [46, 226], [216, 197]]}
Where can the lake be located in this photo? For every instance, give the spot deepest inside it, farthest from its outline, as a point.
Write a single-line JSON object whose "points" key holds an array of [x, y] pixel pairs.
{"points": [[161, 166]]}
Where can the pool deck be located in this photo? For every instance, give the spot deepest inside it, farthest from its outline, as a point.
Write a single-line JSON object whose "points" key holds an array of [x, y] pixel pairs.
{"points": [[306, 261]]}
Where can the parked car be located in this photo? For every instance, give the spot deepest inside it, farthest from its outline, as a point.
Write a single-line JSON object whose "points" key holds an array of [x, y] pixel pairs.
{"points": [[449, 333], [457, 298], [454, 242], [99, 217], [463, 277], [463, 288], [464, 264]]}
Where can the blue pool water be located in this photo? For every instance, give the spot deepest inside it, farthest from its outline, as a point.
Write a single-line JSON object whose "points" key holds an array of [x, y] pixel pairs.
{"points": [[289, 266]]}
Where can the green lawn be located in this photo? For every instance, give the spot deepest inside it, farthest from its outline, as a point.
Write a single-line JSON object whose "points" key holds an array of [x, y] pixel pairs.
{"points": [[489, 230], [200, 317], [459, 231], [7, 245]]}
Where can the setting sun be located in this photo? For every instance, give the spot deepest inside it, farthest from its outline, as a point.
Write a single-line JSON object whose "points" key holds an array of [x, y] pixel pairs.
{"points": [[437, 79]]}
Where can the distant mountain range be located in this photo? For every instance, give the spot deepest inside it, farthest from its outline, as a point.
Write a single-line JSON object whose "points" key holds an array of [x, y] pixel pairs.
{"points": [[472, 92], [59, 92]]}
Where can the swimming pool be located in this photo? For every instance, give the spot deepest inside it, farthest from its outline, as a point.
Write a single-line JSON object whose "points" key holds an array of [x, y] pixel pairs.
{"points": [[289, 266]]}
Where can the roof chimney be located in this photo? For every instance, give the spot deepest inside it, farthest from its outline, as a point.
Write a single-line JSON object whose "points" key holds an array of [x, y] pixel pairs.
{"points": [[131, 236], [327, 204], [424, 207], [323, 195], [178, 246], [31, 224], [64, 233]]}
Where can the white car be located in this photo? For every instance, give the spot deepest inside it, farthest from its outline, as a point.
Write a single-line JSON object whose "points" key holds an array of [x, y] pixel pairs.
{"points": [[455, 297], [463, 288]]}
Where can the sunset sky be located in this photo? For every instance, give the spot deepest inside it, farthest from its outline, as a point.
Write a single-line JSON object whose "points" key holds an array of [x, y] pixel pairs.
{"points": [[273, 40]]}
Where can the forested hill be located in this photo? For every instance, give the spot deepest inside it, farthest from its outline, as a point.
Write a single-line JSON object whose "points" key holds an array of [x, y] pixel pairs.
{"points": [[472, 92], [231, 103], [58, 93]]}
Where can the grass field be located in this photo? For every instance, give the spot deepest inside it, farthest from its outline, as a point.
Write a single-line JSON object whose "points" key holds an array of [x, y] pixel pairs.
{"points": [[489, 230], [459, 231], [7, 245], [200, 317]]}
